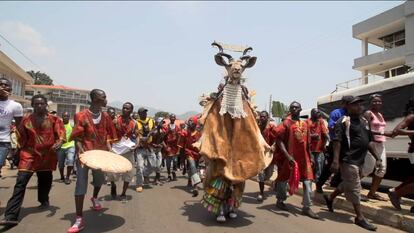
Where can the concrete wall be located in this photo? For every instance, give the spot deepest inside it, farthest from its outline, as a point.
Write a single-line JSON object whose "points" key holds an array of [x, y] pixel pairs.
{"points": [[409, 33], [380, 57]]}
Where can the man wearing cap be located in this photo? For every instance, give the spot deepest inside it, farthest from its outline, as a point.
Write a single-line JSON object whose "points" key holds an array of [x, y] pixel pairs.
{"points": [[352, 139], [144, 153], [326, 171]]}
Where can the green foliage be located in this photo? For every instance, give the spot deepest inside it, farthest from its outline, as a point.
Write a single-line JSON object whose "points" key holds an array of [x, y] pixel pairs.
{"points": [[40, 78], [161, 114], [279, 109]]}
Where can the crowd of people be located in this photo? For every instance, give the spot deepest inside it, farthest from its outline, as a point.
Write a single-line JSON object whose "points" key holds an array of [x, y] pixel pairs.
{"points": [[349, 146]]}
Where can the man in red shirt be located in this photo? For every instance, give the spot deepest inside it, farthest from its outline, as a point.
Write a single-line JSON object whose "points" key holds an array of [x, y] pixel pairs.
{"points": [[40, 136], [126, 129], [318, 139], [172, 133], [93, 130], [293, 141], [187, 138]]}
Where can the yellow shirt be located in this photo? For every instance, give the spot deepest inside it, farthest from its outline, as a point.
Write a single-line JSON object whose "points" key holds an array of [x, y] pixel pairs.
{"points": [[144, 127]]}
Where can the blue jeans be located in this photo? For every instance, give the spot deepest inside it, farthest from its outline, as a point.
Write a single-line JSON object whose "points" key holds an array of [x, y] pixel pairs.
{"points": [[66, 156], [82, 179], [193, 172], [147, 162], [318, 160], [173, 160], [282, 187], [4, 151]]}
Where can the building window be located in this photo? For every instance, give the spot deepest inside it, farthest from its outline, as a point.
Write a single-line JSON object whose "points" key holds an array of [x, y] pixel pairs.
{"points": [[396, 71], [29, 93], [61, 108], [394, 40]]}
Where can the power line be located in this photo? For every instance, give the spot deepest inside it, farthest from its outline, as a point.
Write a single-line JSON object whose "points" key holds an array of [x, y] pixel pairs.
{"points": [[18, 50]]}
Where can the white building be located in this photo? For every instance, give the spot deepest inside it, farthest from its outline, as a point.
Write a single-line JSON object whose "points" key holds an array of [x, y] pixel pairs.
{"points": [[393, 32], [61, 98], [19, 78]]}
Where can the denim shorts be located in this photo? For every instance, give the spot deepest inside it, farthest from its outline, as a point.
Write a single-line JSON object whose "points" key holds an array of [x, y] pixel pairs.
{"points": [[66, 156], [82, 178], [4, 151]]}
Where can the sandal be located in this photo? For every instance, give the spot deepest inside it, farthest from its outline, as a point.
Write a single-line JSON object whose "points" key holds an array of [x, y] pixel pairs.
{"points": [[376, 197]]}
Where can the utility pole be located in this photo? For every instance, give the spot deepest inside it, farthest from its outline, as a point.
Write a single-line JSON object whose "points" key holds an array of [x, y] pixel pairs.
{"points": [[270, 106]]}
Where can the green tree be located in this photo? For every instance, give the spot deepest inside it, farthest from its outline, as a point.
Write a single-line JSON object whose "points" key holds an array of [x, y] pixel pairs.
{"points": [[40, 78], [279, 109], [161, 114]]}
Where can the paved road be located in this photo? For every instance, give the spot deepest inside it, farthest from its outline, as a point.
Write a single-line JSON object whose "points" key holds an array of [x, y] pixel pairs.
{"points": [[167, 208]]}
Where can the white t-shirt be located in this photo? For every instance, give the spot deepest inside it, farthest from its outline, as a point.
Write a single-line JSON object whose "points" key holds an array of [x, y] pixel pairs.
{"points": [[8, 110]]}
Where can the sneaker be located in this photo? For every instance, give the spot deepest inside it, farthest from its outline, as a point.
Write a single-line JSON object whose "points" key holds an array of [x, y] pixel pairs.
{"points": [[77, 226], [329, 203], [139, 189], [282, 206], [169, 178], [146, 180], [96, 204], [123, 198], [259, 198], [62, 180], [221, 218], [395, 201], [308, 212], [365, 224], [67, 181], [174, 176], [8, 222], [364, 198], [319, 189], [232, 215], [44, 205], [195, 192]]}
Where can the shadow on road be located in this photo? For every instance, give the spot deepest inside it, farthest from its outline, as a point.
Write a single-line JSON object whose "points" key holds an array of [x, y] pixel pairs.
{"points": [[293, 210], [251, 198], [336, 217], [96, 221], [184, 188], [195, 212], [33, 210]]}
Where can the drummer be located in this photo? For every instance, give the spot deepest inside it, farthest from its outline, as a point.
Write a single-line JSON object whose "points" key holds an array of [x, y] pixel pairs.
{"points": [[126, 128], [93, 130]]}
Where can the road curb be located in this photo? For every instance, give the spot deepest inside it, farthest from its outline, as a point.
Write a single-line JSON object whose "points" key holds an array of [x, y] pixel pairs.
{"points": [[400, 220]]}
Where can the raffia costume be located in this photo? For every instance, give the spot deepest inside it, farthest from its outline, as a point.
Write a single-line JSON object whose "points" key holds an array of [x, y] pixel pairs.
{"points": [[233, 146]]}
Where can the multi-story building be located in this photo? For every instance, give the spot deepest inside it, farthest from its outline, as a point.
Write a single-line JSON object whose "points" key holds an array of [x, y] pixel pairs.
{"points": [[61, 98], [392, 32], [388, 71], [19, 78]]}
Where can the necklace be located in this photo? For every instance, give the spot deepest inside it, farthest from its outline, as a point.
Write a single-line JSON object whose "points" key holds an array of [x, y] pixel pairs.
{"points": [[95, 115]]}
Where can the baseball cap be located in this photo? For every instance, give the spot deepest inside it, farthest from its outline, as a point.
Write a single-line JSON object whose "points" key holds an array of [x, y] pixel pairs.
{"points": [[347, 98], [142, 109], [355, 100]]}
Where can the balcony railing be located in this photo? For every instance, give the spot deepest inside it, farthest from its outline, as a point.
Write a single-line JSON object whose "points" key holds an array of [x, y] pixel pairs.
{"points": [[367, 79]]}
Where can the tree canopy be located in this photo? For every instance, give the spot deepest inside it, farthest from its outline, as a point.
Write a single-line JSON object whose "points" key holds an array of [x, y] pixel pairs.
{"points": [[40, 78], [279, 109]]}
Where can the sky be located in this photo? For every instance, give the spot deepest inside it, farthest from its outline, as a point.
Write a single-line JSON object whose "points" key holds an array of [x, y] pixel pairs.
{"points": [[159, 54]]}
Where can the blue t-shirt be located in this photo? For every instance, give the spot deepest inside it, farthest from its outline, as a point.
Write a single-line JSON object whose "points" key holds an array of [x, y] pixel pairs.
{"points": [[333, 118]]}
